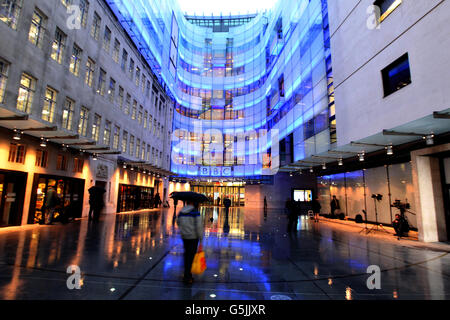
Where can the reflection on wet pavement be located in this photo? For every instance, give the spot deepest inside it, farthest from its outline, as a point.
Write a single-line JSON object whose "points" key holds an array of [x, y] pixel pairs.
{"points": [[249, 256]]}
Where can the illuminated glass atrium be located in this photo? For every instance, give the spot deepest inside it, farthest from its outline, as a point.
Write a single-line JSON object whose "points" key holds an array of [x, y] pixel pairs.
{"points": [[252, 92]]}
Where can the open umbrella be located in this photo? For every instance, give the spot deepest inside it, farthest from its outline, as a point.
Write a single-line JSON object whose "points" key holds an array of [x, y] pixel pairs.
{"points": [[188, 196]]}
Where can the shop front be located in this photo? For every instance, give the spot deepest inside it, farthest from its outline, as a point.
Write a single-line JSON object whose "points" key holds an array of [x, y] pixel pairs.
{"points": [[134, 198], [70, 192], [12, 193]]}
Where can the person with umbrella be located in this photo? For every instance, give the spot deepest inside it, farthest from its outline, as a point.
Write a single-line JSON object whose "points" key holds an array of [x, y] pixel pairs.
{"points": [[191, 228]]}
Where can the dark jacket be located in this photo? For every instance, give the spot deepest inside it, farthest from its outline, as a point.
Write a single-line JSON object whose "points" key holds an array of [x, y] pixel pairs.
{"points": [[316, 206]]}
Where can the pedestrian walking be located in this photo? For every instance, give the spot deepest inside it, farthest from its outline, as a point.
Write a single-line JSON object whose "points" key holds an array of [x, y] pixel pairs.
{"points": [[316, 207], [191, 229]]}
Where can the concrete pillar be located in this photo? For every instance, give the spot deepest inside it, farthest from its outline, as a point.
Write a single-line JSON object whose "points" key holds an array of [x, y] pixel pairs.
{"points": [[431, 220]]}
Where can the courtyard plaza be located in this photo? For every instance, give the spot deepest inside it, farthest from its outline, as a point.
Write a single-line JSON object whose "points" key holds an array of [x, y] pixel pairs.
{"points": [[249, 254]]}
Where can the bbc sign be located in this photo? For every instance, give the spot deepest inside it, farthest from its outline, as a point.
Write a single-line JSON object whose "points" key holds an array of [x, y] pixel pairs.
{"points": [[215, 171]]}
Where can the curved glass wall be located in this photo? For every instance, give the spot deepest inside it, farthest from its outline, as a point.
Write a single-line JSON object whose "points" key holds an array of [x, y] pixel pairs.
{"points": [[241, 85]]}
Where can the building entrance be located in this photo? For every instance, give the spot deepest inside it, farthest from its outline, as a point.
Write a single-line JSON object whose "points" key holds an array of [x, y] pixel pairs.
{"points": [[217, 193], [70, 194], [12, 192]]}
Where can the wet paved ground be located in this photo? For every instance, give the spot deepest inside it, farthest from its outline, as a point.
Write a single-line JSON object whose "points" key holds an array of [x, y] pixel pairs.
{"points": [[249, 256]]}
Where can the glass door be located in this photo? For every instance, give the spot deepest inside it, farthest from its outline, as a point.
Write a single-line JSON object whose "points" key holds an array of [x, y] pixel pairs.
{"points": [[12, 190]]}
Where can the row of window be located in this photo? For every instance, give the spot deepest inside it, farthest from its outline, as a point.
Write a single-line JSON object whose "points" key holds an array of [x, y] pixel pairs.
{"points": [[57, 53], [25, 99], [17, 154]]}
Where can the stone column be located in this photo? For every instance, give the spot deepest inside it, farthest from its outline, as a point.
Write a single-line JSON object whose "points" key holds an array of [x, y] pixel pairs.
{"points": [[429, 200]]}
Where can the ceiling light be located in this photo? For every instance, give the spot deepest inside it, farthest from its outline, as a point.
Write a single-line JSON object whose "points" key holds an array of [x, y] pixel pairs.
{"points": [[132, 169], [361, 156], [43, 143], [429, 139], [17, 135], [324, 166], [341, 162], [124, 166], [311, 170], [94, 157], [389, 150]]}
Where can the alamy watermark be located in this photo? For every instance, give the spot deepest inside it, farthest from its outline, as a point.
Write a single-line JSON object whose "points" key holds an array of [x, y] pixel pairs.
{"points": [[374, 281], [74, 20], [74, 280]]}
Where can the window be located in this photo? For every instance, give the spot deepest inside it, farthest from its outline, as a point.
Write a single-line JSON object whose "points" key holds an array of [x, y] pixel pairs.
{"points": [[116, 51], [10, 11], [140, 115], [48, 110], [17, 153], [133, 113], [386, 7], [112, 89], [143, 152], [123, 64], [95, 29], [75, 61], [83, 124], [101, 82], [147, 93], [4, 68], [124, 142], [138, 147], [90, 68], [120, 97], [397, 75], [84, 10], [78, 164], [107, 134], [127, 105], [138, 76], [26, 93], [61, 162], [144, 81], [145, 119], [107, 39], [116, 138], [96, 127], [58, 46], [41, 158], [67, 116], [150, 123], [131, 150], [148, 153], [131, 69], [37, 29]]}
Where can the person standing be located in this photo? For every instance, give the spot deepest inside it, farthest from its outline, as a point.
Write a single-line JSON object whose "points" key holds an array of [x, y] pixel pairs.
{"points": [[191, 228], [227, 204], [50, 204], [334, 206], [218, 201], [292, 215], [265, 203], [157, 200], [96, 202], [316, 207]]}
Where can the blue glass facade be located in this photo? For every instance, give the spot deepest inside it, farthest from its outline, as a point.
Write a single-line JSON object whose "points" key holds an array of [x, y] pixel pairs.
{"points": [[240, 89]]}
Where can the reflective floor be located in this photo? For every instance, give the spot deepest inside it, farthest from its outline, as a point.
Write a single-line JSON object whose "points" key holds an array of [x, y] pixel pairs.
{"points": [[248, 252]]}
